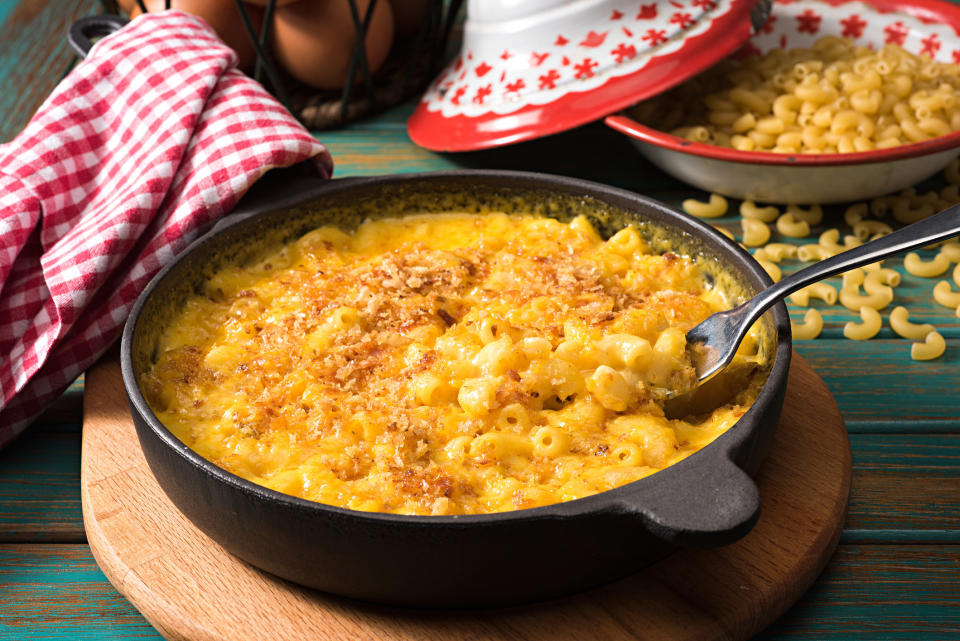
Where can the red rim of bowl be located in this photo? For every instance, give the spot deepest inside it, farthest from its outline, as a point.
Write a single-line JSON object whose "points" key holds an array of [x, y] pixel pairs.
{"points": [[626, 125], [931, 11]]}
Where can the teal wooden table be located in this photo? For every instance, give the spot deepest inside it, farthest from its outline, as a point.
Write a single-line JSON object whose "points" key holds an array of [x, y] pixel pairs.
{"points": [[895, 575]]}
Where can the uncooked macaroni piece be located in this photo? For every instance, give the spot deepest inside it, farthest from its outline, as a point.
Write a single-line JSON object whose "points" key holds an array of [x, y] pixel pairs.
{"points": [[932, 347], [926, 269], [901, 325], [789, 226], [834, 97], [755, 232], [811, 326], [749, 209], [822, 290], [444, 364], [853, 300], [944, 295], [714, 208], [868, 327]]}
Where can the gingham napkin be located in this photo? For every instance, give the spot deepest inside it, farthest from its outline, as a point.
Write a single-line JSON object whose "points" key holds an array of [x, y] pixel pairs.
{"points": [[137, 151]]}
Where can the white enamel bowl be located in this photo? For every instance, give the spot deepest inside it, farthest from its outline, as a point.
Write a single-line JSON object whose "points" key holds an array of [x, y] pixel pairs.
{"points": [[929, 26]]}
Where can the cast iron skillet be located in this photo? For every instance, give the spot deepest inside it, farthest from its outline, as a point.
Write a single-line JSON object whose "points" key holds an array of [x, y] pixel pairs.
{"points": [[473, 560]]}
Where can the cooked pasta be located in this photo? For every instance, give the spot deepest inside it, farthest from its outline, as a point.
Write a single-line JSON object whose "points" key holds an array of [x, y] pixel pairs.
{"points": [[444, 364], [833, 97]]}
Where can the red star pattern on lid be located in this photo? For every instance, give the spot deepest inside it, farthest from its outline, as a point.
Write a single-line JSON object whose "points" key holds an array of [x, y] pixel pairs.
{"points": [[482, 69], [853, 26], [584, 68], [482, 93], [549, 80], [536, 59], [768, 25], [682, 19], [647, 12], [931, 45], [624, 52], [560, 41], [655, 36], [593, 39], [616, 15], [896, 33], [808, 21], [515, 86]]}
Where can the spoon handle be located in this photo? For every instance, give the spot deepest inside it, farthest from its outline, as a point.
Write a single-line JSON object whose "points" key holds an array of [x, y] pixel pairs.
{"points": [[938, 227]]}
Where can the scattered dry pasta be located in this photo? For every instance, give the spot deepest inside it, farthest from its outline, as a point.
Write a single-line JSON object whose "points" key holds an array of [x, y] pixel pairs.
{"points": [[749, 209], [834, 97], [714, 208], [868, 327], [755, 232], [811, 326], [932, 347], [926, 269], [824, 291], [946, 296], [901, 325], [789, 226], [854, 300]]}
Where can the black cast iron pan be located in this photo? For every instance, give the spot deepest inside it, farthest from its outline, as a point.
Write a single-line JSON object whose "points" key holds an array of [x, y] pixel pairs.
{"points": [[472, 560]]}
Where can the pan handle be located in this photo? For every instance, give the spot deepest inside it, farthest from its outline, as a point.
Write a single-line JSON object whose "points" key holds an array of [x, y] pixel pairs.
{"points": [[83, 31], [710, 503]]}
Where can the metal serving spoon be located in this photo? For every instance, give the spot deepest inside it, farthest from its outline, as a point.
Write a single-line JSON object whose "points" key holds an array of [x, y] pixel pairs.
{"points": [[713, 343]]}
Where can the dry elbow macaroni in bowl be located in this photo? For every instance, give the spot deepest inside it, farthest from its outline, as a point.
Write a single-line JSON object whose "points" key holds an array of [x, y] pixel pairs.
{"points": [[833, 97], [443, 364]]}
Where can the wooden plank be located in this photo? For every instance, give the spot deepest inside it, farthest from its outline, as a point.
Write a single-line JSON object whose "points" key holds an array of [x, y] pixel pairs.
{"points": [[889, 592], [34, 55], [905, 487], [57, 592], [40, 489], [878, 592], [877, 380]]}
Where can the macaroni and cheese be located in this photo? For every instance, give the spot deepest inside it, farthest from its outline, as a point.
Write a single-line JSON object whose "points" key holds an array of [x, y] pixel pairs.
{"points": [[443, 364]]}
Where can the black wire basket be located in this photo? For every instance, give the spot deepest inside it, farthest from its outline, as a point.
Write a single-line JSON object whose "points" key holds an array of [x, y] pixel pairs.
{"points": [[409, 67]]}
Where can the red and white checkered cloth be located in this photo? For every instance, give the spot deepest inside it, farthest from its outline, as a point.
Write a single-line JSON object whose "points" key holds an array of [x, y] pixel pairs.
{"points": [[151, 138]]}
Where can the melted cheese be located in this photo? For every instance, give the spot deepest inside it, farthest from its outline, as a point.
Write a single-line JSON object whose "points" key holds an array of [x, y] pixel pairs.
{"points": [[442, 364]]}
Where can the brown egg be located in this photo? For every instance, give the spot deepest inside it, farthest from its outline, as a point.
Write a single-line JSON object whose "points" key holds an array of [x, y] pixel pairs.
{"points": [[408, 15], [223, 16], [315, 39]]}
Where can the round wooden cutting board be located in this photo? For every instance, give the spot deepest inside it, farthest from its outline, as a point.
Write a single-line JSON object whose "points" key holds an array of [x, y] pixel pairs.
{"points": [[188, 587]]}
